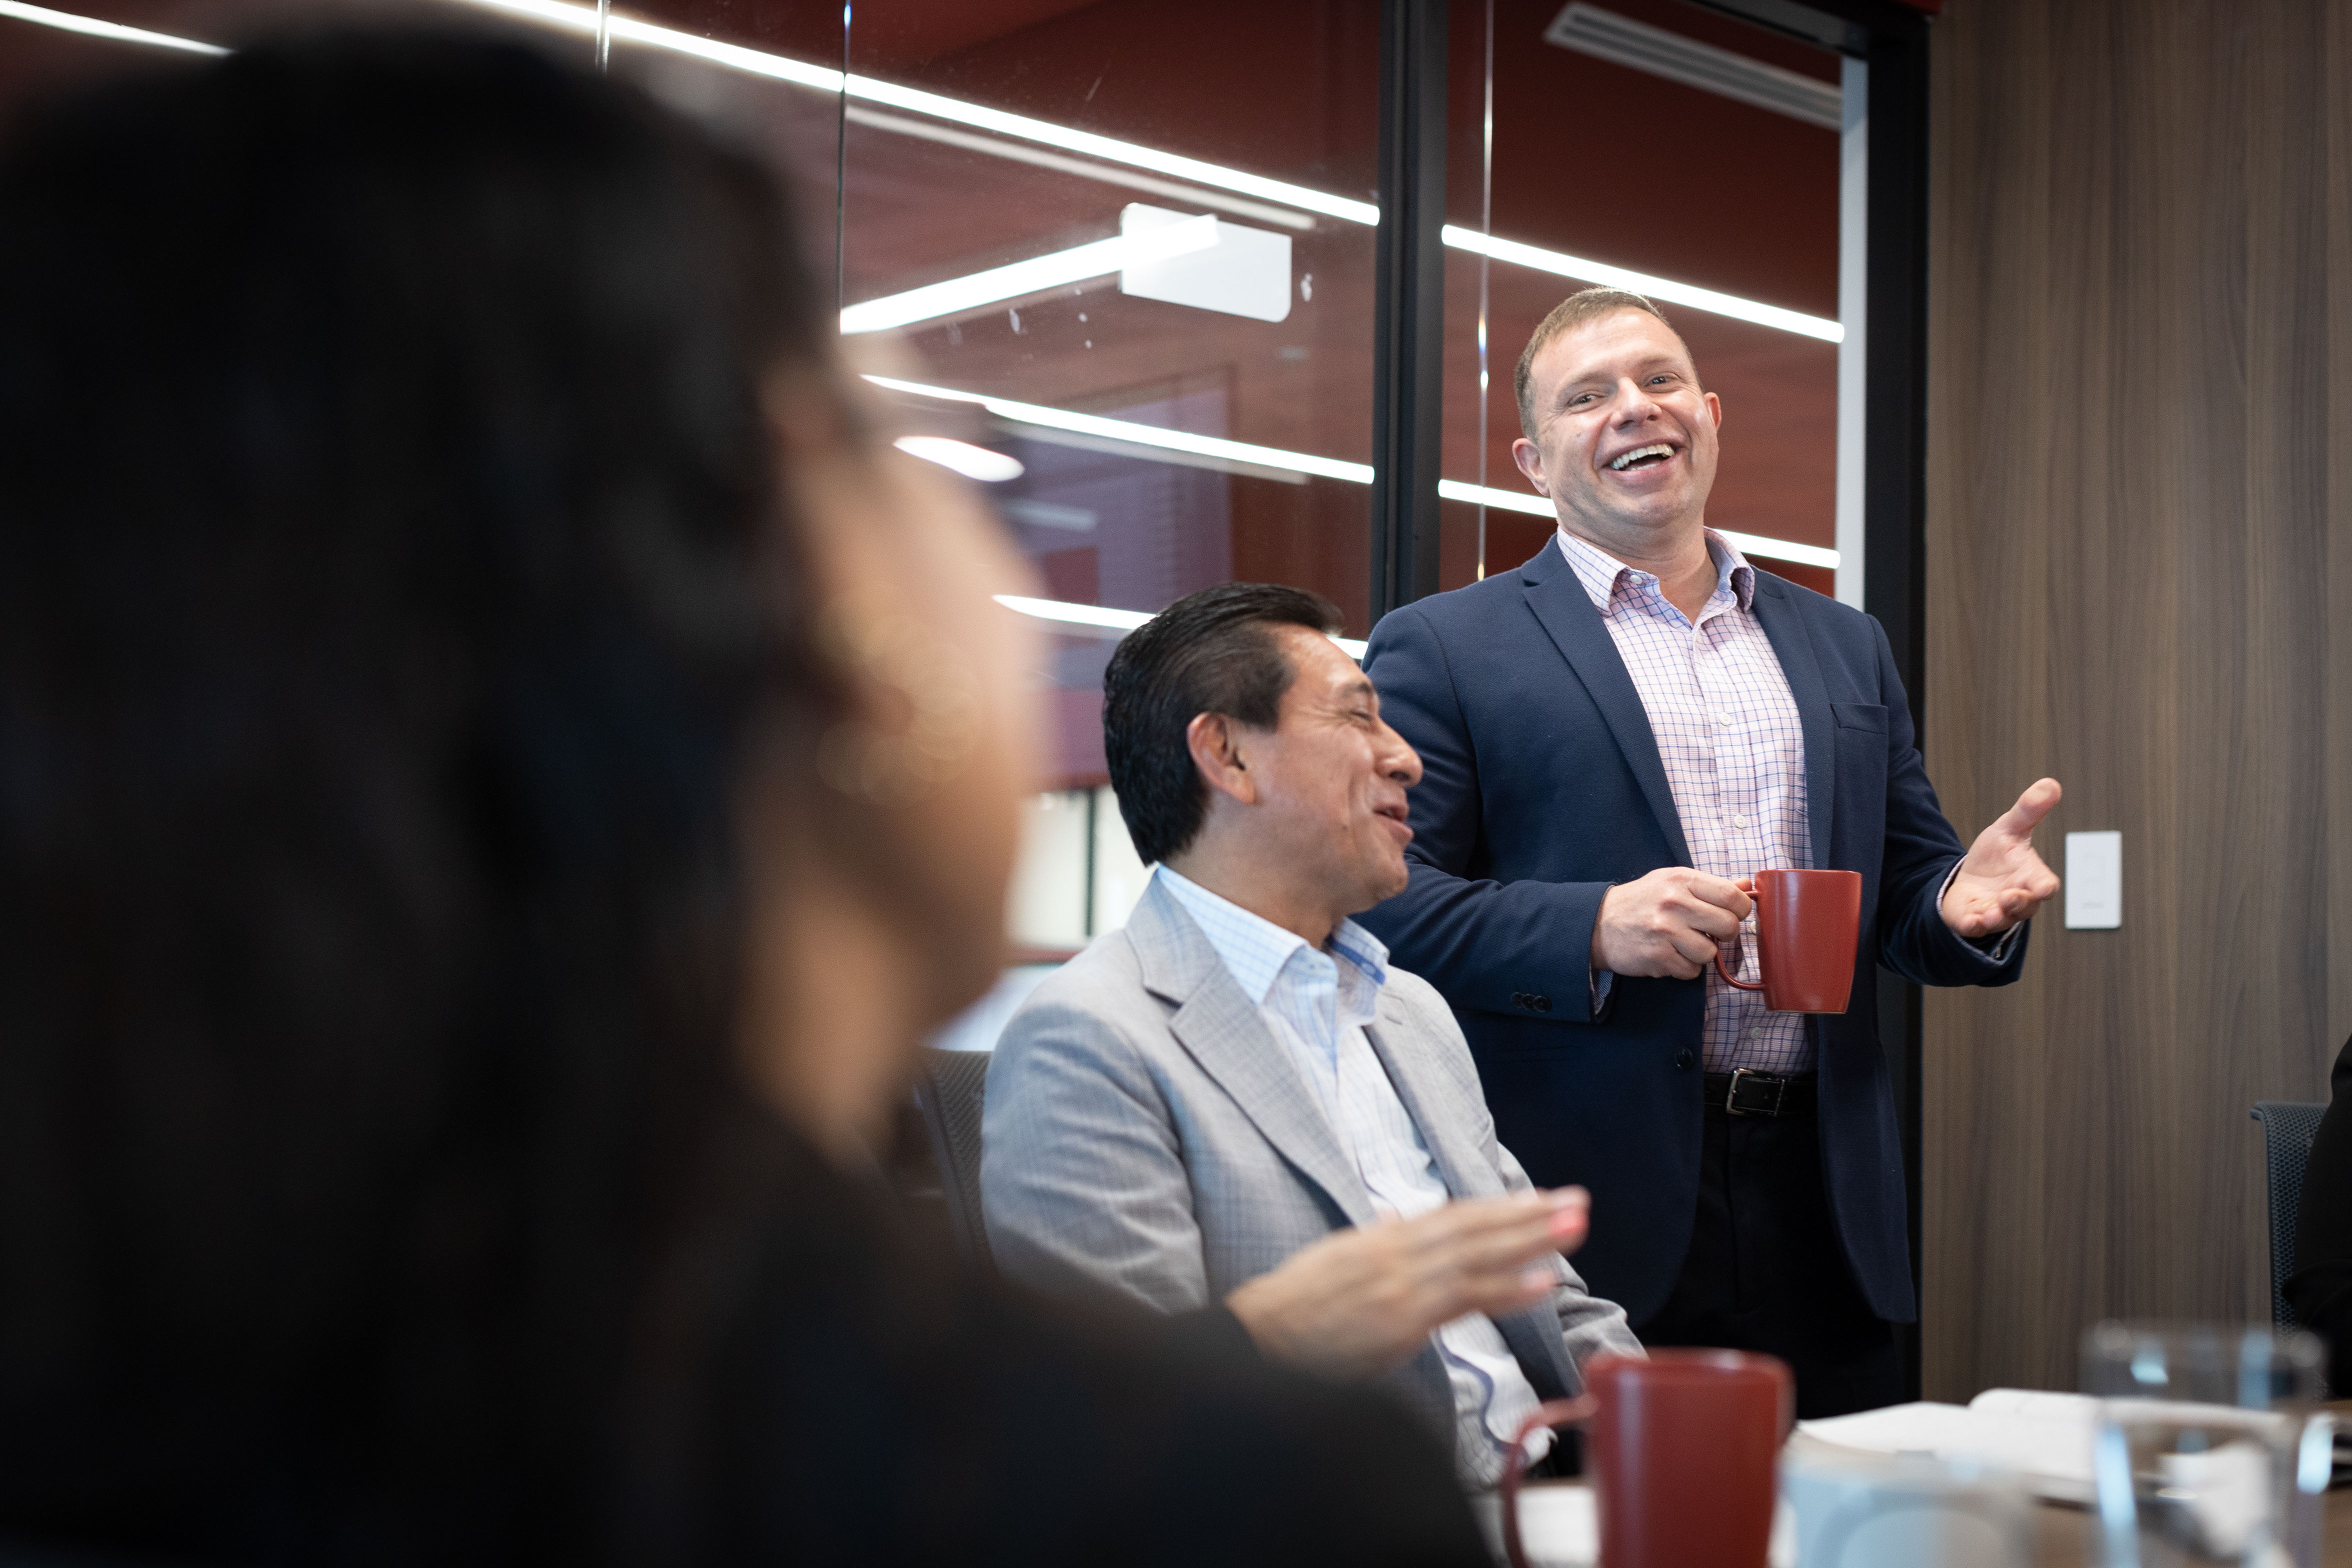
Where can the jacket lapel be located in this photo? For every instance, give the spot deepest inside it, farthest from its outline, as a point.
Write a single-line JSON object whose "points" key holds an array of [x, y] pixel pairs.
{"points": [[1776, 608], [1221, 1028], [1535, 1340], [1444, 1122], [1556, 596], [1533, 1335]]}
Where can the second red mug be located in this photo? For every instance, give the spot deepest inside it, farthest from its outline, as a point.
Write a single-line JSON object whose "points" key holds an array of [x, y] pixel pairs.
{"points": [[1684, 1453], [1807, 927]]}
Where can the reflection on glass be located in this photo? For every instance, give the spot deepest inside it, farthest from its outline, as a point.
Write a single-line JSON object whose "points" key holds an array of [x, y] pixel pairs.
{"points": [[1129, 245], [2210, 1444], [1651, 145], [1114, 260]]}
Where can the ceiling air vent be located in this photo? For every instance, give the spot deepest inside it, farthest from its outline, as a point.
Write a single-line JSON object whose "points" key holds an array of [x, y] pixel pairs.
{"points": [[1620, 40]]}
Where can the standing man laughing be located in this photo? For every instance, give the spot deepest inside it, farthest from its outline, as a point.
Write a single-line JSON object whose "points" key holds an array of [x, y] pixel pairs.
{"points": [[1615, 736]]}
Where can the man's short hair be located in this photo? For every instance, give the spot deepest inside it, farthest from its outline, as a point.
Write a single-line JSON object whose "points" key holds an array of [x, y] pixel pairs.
{"points": [[1210, 652], [1584, 305]]}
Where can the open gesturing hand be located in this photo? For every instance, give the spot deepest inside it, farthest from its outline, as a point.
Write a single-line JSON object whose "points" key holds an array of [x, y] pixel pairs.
{"points": [[2003, 881], [1362, 1301]]}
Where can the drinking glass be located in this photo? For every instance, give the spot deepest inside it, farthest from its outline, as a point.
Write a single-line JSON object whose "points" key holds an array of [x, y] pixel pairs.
{"points": [[2210, 1447]]}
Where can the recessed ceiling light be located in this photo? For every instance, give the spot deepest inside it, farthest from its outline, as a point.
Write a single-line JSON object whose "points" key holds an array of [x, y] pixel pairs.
{"points": [[1094, 259], [973, 462]]}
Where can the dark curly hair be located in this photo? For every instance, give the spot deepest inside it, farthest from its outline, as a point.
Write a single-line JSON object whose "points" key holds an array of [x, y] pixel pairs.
{"points": [[392, 579]]}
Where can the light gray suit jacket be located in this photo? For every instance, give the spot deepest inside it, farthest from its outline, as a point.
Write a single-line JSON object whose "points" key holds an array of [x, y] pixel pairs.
{"points": [[1144, 1133]]}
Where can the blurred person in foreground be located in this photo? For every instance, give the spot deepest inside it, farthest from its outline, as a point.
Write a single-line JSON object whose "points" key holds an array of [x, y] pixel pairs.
{"points": [[500, 763], [1239, 1076]]}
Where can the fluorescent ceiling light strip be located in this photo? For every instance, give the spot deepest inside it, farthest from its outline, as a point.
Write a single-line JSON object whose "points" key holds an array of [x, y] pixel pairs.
{"points": [[1536, 506], [998, 147], [65, 21], [1092, 260], [1302, 463], [1780, 548], [1500, 500], [973, 462], [755, 62], [1112, 151], [1072, 441], [1665, 289], [1558, 263], [781, 68], [1121, 621], [582, 18], [1075, 615], [1142, 435]]}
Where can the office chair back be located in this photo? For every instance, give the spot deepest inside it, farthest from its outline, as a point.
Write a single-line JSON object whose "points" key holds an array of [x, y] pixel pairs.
{"points": [[2288, 1126], [948, 1092]]}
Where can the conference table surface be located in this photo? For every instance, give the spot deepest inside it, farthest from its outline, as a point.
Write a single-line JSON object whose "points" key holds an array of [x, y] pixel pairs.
{"points": [[2066, 1537]]}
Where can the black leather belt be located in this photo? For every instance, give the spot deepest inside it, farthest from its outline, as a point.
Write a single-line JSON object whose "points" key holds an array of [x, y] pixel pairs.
{"points": [[1748, 1092]]}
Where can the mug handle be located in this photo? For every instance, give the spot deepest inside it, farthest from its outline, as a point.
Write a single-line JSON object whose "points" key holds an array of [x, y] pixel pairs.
{"points": [[1552, 1412], [1729, 978]]}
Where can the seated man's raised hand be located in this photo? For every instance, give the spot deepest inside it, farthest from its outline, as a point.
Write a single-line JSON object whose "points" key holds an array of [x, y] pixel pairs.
{"points": [[1361, 1302]]}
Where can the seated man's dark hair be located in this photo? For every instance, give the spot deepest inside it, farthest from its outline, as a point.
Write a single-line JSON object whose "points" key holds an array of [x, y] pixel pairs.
{"points": [[1210, 652]]}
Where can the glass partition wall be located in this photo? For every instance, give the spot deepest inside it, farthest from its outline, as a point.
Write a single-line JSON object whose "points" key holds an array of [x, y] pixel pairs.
{"points": [[1120, 256], [1127, 247], [1661, 146]]}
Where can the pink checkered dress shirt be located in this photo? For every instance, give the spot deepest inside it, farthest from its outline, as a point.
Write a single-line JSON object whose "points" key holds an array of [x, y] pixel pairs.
{"points": [[1734, 748]]}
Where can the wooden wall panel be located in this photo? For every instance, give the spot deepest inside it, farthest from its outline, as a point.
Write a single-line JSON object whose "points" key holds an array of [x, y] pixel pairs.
{"points": [[2139, 579], [2336, 661]]}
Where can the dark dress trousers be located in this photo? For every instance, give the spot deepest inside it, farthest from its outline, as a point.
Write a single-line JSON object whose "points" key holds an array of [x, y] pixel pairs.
{"points": [[1544, 787], [2320, 1290]]}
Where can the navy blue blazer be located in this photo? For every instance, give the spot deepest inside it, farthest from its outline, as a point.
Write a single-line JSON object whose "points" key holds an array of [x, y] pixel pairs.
{"points": [[1543, 788]]}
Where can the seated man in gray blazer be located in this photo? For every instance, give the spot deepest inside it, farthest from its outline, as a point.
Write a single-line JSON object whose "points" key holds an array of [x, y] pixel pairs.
{"points": [[1235, 1099]]}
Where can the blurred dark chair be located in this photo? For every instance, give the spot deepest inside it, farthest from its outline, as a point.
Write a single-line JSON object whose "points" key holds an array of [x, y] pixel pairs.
{"points": [[2288, 1126], [947, 1089]]}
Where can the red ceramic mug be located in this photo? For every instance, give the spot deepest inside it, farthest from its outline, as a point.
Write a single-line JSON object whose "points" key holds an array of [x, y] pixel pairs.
{"points": [[1807, 927], [1683, 1458]]}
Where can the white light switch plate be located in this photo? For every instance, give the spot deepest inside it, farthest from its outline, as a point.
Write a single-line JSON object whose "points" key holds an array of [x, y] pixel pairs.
{"points": [[2095, 882]]}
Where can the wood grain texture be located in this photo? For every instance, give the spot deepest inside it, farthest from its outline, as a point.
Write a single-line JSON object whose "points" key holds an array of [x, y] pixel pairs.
{"points": [[2139, 580]]}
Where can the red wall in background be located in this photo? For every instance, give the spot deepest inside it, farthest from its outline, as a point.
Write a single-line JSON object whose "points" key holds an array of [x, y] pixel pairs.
{"points": [[1590, 158]]}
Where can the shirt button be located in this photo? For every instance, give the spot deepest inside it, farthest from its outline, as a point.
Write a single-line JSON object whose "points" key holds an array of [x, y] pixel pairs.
{"points": [[1724, 718], [1738, 820], [1755, 1034]]}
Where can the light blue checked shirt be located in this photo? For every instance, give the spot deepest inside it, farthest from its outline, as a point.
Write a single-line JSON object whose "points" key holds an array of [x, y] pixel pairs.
{"points": [[1317, 1003]]}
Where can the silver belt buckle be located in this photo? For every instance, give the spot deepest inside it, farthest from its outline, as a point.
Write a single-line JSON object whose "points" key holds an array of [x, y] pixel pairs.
{"points": [[1731, 1098]]}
